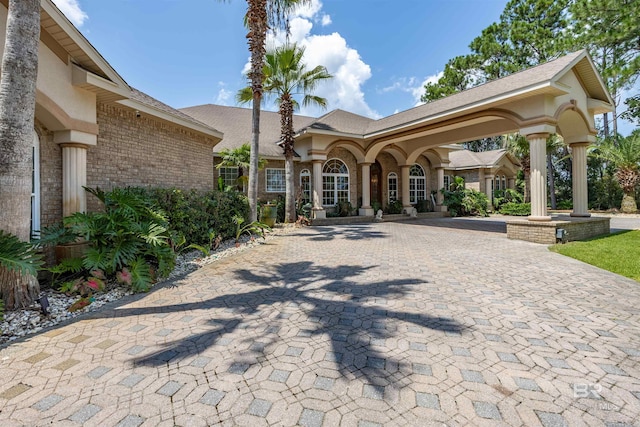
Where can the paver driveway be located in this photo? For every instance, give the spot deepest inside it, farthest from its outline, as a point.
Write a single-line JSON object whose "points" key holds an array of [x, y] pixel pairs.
{"points": [[392, 323]]}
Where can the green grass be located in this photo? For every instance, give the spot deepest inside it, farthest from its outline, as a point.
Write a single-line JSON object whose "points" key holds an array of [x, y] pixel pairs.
{"points": [[618, 253]]}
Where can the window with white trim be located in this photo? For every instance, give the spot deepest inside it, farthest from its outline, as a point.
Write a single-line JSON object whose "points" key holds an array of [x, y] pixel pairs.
{"points": [[392, 186], [275, 181], [447, 182], [417, 184], [305, 185], [229, 174], [335, 182], [504, 182]]}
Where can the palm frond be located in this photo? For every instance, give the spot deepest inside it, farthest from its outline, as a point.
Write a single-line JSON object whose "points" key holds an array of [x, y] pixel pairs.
{"points": [[16, 255]]}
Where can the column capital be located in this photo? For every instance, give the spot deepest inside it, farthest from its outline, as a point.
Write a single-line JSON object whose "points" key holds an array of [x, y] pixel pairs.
{"points": [[579, 140], [540, 135], [541, 128], [74, 136], [365, 163], [318, 161], [405, 166]]}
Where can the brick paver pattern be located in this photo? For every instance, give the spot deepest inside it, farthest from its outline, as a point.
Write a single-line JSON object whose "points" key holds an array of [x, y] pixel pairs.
{"points": [[392, 324]]}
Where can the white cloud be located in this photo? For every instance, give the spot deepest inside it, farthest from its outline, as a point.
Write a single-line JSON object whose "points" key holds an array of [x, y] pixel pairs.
{"points": [[350, 72], [224, 95], [72, 10], [411, 85]]}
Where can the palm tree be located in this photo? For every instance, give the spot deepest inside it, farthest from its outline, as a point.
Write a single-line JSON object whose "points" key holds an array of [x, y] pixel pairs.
{"points": [[239, 157], [17, 109], [625, 159], [286, 77], [261, 15]]}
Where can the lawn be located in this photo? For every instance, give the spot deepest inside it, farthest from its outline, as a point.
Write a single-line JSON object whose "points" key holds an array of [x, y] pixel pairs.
{"points": [[618, 253]]}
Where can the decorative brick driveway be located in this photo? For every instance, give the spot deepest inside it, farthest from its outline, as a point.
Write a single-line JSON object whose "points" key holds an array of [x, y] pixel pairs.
{"points": [[384, 324]]}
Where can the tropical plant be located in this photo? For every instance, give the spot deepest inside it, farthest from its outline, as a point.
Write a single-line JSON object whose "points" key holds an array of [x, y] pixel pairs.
{"points": [[18, 256], [254, 227], [240, 157], [285, 78], [18, 287], [624, 157], [463, 201], [261, 16], [128, 234]]}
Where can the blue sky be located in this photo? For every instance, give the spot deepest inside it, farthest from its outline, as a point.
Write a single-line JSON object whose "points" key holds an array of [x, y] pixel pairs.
{"points": [[192, 52]]}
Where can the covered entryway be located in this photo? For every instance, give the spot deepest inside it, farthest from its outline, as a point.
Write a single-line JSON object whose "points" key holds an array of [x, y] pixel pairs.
{"points": [[559, 97]]}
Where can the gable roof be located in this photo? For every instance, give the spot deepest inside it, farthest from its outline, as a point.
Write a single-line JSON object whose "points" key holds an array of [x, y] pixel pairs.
{"points": [[467, 159], [540, 79], [235, 123]]}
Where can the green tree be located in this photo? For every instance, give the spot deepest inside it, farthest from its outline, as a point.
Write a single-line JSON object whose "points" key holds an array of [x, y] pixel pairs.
{"points": [[287, 77], [610, 30], [261, 16], [17, 111], [240, 157], [624, 156]]}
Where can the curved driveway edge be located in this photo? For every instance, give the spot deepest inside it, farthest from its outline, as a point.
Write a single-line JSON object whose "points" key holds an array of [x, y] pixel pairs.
{"points": [[416, 323]]}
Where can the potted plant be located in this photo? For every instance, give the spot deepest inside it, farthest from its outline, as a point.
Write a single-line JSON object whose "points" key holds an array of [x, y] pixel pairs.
{"points": [[269, 214]]}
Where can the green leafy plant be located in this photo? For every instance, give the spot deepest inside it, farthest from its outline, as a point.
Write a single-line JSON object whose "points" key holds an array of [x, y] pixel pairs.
{"points": [[16, 255], [516, 209], [128, 233], [67, 267], [254, 227], [394, 207], [465, 201], [343, 208], [85, 286]]}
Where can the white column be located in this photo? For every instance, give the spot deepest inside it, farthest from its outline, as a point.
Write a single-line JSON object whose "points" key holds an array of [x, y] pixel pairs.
{"points": [[366, 209], [538, 161], [488, 188], [404, 172], [74, 178], [439, 195], [579, 179], [318, 210]]}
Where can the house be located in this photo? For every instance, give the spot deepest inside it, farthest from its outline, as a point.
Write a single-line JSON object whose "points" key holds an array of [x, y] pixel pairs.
{"points": [[93, 129], [410, 155]]}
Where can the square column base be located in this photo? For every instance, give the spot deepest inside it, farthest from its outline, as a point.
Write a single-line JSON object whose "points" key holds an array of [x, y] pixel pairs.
{"points": [[319, 213], [366, 212]]}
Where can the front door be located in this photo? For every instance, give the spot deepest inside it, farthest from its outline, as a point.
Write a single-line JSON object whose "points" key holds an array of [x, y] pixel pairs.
{"points": [[376, 184]]}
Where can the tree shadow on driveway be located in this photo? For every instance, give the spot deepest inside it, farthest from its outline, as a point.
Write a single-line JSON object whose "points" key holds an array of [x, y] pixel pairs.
{"points": [[351, 315]]}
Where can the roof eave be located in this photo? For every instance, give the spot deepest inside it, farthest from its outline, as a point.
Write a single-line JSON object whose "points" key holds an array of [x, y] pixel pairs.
{"points": [[542, 88], [311, 131]]}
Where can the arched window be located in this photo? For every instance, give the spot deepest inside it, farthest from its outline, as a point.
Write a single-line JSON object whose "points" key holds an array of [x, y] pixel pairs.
{"points": [[335, 182], [392, 185], [417, 184], [305, 185], [35, 187]]}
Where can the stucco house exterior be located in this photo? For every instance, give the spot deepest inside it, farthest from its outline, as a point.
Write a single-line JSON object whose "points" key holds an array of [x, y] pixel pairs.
{"points": [[93, 129]]}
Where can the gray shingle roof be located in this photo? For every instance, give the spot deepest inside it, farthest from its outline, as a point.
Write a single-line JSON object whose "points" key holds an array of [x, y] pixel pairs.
{"points": [[342, 121], [466, 159], [143, 98], [514, 82], [235, 123]]}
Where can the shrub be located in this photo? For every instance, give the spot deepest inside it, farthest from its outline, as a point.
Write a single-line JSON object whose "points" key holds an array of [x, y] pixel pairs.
{"points": [[343, 208], [516, 209], [16, 255], [423, 206], [500, 197], [465, 201], [394, 207], [195, 214]]}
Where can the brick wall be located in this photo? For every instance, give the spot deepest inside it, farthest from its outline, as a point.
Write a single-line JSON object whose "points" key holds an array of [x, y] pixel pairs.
{"points": [[142, 151], [50, 177], [545, 231]]}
